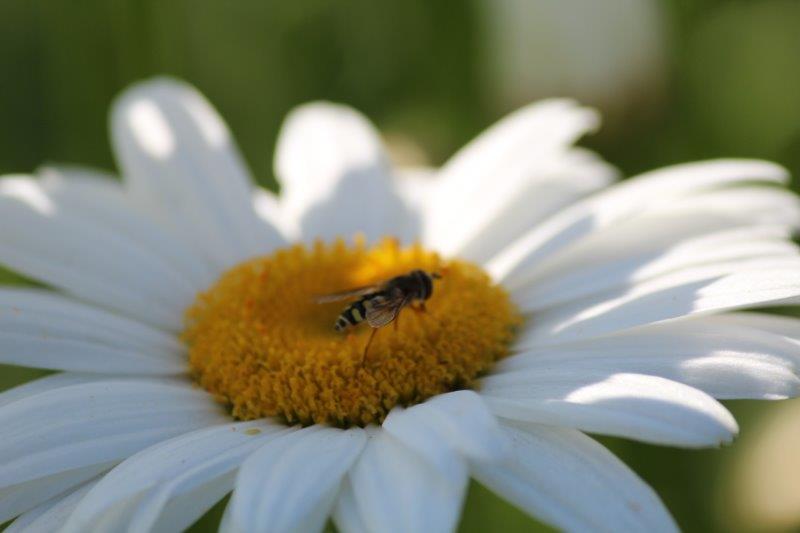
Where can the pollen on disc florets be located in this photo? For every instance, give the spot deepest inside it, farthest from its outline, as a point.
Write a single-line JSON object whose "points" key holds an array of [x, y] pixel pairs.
{"points": [[259, 341]]}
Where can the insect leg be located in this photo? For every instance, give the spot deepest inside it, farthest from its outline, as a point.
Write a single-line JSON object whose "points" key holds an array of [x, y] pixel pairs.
{"points": [[366, 348]]}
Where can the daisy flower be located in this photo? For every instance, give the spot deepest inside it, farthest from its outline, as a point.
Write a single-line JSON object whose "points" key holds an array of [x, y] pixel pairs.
{"points": [[195, 361]]}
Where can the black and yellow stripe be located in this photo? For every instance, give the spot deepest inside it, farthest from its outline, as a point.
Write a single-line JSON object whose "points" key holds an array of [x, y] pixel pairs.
{"points": [[356, 312], [353, 314], [417, 285]]}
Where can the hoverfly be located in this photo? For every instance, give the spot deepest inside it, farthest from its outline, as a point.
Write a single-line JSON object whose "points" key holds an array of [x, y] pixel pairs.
{"points": [[380, 304]]}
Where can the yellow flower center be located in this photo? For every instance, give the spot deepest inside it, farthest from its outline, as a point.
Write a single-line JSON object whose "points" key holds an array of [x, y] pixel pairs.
{"points": [[259, 340]]}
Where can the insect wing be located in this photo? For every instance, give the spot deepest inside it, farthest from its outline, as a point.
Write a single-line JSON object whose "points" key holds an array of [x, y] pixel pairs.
{"points": [[348, 294], [383, 312]]}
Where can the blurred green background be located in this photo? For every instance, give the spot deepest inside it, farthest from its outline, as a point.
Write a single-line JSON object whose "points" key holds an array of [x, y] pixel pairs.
{"points": [[675, 80]]}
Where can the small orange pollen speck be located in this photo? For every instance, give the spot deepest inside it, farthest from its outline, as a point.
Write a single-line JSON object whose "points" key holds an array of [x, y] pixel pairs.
{"points": [[258, 340], [252, 431]]}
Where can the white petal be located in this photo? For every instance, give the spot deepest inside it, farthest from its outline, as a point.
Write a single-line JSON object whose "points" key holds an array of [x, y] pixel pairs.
{"points": [[90, 261], [54, 381], [178, 157], [192, 471], [426, 442], [727, 361], [23, 497], [785, 326], [518, 199], [670, 236], [52, 514], [735, 284], [645, 408], [628, 199], [335, 177], [684, 232], [102, 200], [290, 483], [417, 187], [346, 515], [573, 483], [36, 306], [755, 204], [40, 351], [647, 247], [541, 127], [87, 424], [45, 330], [270, 209], [448, 429], [518, 162], [395, 490]]}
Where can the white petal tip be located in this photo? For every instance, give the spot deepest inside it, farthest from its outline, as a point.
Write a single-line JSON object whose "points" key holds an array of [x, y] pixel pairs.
{"points": [[143, 109], [728, 432], [758, 169], [588, 117], [354, 134]]}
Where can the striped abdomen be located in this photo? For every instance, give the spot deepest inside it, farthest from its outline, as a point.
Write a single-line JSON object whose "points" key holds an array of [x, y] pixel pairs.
{"points": [[356, 312], [352, 315]]}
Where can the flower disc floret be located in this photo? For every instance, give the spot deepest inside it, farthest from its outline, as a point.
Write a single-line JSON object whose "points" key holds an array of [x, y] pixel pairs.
{"points": [[260, 342]]}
